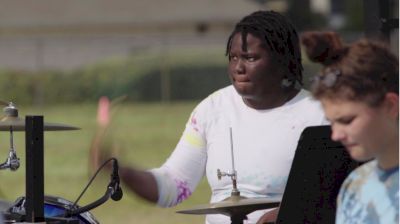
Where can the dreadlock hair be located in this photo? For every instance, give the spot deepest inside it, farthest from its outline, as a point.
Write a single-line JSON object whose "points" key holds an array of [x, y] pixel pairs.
{"points": [[278, 35]]}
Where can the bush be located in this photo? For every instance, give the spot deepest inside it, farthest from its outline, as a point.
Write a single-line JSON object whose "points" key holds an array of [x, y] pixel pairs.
{"points": [[148, 78], [140, 79]]}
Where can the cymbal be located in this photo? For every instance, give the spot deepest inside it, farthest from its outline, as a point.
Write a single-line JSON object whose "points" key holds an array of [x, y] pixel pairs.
{"points": [[18, 124], [234, 206]]}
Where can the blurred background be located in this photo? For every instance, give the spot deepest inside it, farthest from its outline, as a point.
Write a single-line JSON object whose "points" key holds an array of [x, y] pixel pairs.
{"points": [[58, 58]]}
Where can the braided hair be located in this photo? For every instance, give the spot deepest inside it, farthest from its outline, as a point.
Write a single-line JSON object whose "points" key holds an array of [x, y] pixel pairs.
{"points": [[278, 35]]}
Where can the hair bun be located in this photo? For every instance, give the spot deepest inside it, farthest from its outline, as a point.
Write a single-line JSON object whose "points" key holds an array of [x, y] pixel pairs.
{"points": [[322, 47]]}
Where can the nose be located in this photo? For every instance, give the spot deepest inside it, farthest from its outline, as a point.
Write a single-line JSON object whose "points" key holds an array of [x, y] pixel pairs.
{"points": [[239, 67], [337, 133]]}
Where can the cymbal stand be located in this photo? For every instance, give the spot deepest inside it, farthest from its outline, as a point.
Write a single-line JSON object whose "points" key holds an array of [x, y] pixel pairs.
{"points": [[33, 207], [235, 194], [12, 162], [233, 174]]}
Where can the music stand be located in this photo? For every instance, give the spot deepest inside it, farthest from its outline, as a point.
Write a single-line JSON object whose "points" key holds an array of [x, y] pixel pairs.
{"points": [[319, 167]]}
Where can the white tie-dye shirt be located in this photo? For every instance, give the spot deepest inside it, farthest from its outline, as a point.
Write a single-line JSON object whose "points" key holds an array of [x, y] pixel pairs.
{"points": [[369, 195], [264, 142]]}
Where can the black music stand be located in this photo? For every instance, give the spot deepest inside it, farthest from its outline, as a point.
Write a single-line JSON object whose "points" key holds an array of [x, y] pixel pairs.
{"points": [[319, 167]]}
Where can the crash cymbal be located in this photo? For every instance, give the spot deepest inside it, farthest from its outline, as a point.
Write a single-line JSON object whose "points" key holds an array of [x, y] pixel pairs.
{"points": [[234, 206], [18, 124]]}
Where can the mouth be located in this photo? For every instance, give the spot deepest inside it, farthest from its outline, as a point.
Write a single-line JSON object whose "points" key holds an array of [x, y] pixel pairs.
{"points": [[349, 146], [240, 79]]}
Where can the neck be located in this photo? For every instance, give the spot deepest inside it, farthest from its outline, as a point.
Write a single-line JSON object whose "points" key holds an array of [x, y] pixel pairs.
{"points": [[390, 158], [270, 102]]}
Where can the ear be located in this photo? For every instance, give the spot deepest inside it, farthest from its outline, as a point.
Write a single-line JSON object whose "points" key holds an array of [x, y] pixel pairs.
{"points": [[392, 104]]}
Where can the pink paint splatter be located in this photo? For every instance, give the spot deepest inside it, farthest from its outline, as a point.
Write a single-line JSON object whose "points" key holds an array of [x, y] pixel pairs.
{"points": [[193, 122], [184, 191]]}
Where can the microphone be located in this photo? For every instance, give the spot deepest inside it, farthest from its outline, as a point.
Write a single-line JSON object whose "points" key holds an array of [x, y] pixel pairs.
{"points": [[114, 183], [113, 191], [117, 195]]}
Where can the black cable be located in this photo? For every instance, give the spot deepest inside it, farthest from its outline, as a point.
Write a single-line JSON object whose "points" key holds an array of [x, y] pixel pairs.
{"points": [[92, 205], [91, 180]]}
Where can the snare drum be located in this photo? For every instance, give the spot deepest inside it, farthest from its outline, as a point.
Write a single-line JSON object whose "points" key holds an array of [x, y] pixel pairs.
{"points": [[53, 207]]}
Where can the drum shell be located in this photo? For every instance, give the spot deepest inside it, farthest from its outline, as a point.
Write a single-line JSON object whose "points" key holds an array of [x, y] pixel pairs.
{"points": [[53, 207]]}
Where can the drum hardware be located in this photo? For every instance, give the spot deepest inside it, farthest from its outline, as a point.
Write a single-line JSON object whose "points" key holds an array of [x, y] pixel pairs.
{"points": [[11, 122], [233, 174], [12, 162], [64, 211], [4, 205], [34, 206], [236, 207], [54, 208]]}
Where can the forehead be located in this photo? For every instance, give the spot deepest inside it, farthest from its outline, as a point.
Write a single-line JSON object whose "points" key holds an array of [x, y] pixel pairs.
{"points": [[336, 108], [252, 42]]}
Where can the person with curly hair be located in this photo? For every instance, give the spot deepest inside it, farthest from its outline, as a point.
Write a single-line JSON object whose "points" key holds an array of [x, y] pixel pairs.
{"points": [[359, 91]]}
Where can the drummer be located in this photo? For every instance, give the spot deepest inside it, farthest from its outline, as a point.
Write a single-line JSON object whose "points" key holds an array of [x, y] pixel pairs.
{"points": [[359, 91], [266, 108]]}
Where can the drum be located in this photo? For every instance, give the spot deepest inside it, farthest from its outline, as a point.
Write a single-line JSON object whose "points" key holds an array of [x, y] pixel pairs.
{"points": [[4, 205], [53, 207]]}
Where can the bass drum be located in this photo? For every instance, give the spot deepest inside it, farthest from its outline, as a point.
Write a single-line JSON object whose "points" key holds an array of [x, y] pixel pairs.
{"points": [[53, 207]]}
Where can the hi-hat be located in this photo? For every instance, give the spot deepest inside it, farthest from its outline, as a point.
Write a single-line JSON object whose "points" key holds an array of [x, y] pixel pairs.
{"points": [[11, 121], [18, 124], [234, 206]]}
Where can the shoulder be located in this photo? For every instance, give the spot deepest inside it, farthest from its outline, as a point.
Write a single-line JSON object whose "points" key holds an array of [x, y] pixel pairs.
{"points": [[215, 104], [358, 177], [306, 108], [304, 99], [364, 170], [220, 98], [222, 95]]}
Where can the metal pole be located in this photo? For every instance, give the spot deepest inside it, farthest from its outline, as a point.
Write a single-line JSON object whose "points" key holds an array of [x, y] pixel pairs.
{"points": [[34, 200]]}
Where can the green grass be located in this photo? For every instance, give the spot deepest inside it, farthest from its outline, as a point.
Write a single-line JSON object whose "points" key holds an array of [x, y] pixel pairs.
{"points": [[143, 134]]}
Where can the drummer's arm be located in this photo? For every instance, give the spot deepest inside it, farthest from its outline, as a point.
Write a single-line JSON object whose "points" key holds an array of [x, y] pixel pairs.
{"points": [[269, 217], [141, 182]]}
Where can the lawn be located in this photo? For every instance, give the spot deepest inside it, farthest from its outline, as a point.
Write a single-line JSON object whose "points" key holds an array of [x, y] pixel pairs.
{"points": [[143, 135]]}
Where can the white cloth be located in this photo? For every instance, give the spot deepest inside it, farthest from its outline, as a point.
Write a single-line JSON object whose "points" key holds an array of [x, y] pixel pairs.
{"points": [[264, 142]]}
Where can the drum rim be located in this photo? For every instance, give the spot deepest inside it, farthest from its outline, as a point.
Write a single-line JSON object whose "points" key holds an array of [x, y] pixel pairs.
{"points": [[56, 201], [60, 203]]}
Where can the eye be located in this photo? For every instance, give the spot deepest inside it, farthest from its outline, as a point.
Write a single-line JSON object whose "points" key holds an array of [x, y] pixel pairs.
{"points": [[233, 58], [251, 58], [345, 120]]}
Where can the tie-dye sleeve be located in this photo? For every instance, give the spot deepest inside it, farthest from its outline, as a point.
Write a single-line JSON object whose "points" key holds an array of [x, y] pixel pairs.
{"points": [[178, 177]]}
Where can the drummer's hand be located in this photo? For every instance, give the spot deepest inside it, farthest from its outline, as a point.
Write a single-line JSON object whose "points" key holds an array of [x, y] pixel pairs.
{"points": [[269, 217]]}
